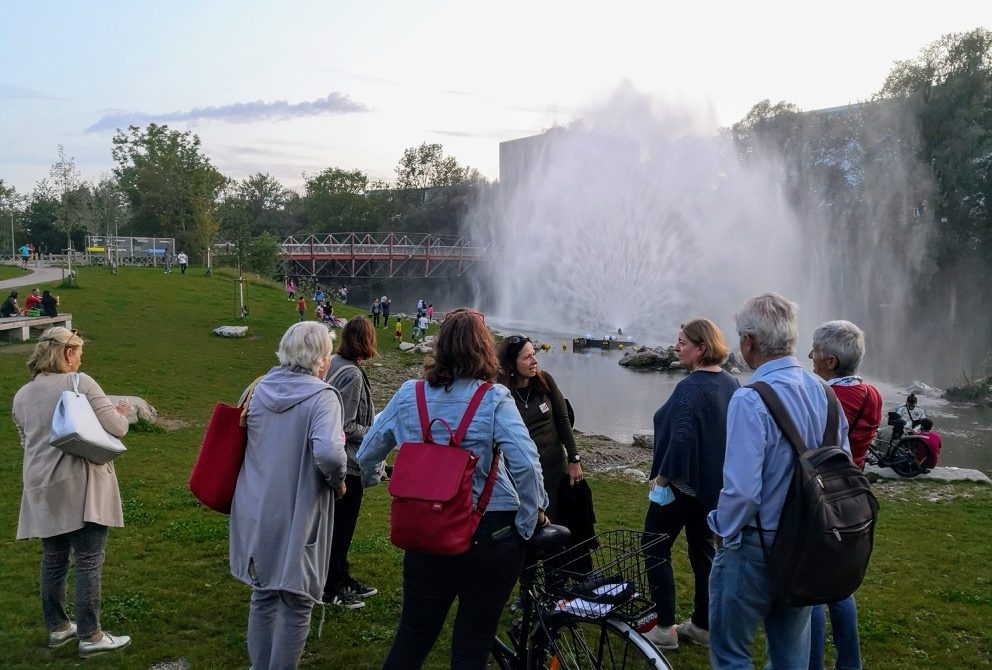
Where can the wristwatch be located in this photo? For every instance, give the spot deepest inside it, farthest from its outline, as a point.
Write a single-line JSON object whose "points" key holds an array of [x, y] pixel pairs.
{"points": [[574, 458]]}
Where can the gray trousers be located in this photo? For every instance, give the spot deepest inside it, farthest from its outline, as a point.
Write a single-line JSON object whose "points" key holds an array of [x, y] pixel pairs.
{"points": [[278, 624], [88, 545]]}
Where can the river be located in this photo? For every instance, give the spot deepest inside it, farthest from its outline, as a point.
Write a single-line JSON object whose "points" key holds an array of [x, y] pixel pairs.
{"points": [[618, 402]]}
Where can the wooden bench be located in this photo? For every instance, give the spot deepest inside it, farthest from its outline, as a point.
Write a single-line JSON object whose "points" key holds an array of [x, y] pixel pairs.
{"points": [[19, 327]]}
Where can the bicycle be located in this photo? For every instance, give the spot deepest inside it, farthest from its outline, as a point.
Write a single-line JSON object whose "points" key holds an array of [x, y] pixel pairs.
{"points": [[907, 455], [583, 608]]}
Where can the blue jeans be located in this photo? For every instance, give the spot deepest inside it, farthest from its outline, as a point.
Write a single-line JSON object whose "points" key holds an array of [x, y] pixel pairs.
{"points": [[844, 622], [88, 544], [740, 600]]}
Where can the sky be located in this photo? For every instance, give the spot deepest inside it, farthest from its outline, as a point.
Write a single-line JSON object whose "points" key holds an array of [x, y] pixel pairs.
{"points": [[293, 87]]}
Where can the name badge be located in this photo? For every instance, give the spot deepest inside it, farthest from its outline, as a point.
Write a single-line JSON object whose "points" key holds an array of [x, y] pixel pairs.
{"points": [[545, 408]]}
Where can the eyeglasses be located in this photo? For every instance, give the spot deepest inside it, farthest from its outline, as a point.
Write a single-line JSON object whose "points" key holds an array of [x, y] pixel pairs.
{"points": [[467, 310]]}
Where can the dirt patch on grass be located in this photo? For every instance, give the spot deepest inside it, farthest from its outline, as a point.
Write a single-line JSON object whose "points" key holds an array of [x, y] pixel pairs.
{"points": [[170, 425]]}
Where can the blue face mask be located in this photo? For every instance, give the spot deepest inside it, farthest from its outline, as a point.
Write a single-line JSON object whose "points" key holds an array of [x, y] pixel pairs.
{"points": [[661, 495]]}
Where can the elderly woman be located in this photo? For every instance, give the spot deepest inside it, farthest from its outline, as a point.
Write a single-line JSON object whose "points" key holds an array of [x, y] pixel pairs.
{"points": [[690, 436], [281, 516], [68, 501], [347, 376], [483, 577], [838, 347], [542, 407]]}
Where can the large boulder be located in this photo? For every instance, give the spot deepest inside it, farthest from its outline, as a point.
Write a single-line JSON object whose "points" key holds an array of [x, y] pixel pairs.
{"points": [[644, 440], [138, 408], [658, 358], [919, 388], [407, 346]]}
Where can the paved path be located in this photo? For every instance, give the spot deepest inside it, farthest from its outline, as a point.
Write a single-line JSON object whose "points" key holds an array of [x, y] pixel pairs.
{"points": [[33, 278]]}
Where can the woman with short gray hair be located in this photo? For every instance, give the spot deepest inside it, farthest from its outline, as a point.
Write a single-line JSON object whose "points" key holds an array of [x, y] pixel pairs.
{"points": [[771, 321], [281, 516], [838, 347]]}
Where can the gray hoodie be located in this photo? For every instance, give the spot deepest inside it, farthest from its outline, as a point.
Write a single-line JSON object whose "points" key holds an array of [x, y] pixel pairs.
{"points": [[356, 400], [282, 514]]}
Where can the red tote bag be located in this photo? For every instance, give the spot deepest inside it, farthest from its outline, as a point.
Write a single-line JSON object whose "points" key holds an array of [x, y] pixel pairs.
{"points": [[222, 454]]}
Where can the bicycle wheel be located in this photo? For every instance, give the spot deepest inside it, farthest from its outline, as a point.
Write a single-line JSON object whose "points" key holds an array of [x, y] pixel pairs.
{"points": [[577, 643], [907, 460]]}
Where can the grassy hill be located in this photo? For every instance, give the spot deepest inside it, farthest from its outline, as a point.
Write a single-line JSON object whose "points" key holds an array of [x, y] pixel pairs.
{"points": [[927, 602]]}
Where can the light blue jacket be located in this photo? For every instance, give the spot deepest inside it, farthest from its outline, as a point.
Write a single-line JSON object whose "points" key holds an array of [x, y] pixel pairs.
{"points": [[519, 485], [759, 462]]}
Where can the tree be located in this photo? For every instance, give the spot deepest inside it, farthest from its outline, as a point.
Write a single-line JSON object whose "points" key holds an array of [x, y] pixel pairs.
{"points": [[163, 173], [334, 200], [10, 204], [74, 197], [949, 87], [263, 255], [426, 166]]}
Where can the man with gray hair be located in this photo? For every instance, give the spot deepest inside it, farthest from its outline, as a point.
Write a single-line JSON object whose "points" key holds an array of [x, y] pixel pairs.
{"points": [[756, 475]]}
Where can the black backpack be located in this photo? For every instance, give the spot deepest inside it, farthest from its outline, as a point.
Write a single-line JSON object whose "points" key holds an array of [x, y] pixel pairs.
{"points": [[827, 527]]}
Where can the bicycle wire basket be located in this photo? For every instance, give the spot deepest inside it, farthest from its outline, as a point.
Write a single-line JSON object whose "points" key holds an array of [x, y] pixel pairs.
{"points": [[603, 576]]}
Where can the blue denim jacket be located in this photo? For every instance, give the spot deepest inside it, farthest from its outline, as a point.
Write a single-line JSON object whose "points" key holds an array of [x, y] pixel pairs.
{"points": [[519, 484]]}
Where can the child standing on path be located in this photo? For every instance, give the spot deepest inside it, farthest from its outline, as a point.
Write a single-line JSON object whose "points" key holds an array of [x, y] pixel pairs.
{"points": [[301, 307]]}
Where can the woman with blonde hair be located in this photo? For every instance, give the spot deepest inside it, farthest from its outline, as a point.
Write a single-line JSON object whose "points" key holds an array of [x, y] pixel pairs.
{"points": [[690, 435], [68, 501]]}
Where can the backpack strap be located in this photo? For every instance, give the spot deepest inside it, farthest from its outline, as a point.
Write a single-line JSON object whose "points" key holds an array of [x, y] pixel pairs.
{"points": [[473, 405], [785, 423], [425, 422]]}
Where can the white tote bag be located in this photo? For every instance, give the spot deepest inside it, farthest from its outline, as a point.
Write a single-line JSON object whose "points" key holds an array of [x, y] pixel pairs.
{"points": [[77, 431]]}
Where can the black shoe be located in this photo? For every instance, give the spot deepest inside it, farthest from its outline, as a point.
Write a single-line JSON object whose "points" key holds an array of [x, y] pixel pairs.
{"points": [[359, 590]]}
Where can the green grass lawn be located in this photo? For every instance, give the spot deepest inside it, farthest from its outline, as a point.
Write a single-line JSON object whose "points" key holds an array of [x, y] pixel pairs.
{"points": [[927, 601], [9, 272]]}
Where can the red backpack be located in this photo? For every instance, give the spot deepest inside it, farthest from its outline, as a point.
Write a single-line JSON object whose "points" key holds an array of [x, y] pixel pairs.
{"points": [[431, 486]]}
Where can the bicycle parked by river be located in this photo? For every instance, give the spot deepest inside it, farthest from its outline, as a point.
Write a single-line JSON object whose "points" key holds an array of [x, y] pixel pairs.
{"points": [[907, 455], [584, 607]]}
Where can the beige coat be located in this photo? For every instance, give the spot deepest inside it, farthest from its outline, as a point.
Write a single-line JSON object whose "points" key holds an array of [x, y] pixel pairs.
{"points": [[62, 492]]}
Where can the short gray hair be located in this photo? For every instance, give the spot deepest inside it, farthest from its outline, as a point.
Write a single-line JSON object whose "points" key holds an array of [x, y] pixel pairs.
{"points": [[842, 340], [305, 344], [772, 321]]}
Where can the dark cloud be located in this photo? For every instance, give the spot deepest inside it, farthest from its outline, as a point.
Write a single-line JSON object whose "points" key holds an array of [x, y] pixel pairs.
{"points": [[8, 92], [238, 112]]}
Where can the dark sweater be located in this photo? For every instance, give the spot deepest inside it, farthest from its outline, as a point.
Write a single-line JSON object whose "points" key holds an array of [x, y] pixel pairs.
{"points": [[690, 434]]}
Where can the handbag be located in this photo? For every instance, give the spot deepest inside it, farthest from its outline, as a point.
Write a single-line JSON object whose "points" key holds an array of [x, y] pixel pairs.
{"points": [[431, 486], [76, 429], [222, 453]]}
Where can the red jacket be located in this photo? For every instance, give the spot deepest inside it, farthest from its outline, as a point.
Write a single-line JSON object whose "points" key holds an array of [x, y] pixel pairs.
{"points": [[863, 408]]}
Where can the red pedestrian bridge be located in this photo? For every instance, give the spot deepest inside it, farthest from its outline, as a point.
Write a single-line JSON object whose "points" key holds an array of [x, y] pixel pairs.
{"points": [[381, 255]]}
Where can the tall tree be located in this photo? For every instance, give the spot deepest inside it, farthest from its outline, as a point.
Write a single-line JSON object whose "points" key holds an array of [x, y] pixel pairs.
{"points": [[426, 166], [334, 200], [75, 198], [163, 173]]}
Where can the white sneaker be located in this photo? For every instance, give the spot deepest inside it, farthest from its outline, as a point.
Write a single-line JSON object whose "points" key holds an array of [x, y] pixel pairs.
{"points": [[60, 637], [694, 633], [663, 637], [107, 643]]}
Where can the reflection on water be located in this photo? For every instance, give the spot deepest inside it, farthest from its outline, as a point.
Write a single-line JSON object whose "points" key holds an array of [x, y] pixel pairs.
{"points": [[618, 402]]}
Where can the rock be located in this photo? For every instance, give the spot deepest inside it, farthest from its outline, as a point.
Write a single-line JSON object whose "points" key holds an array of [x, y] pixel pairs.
{"points": [[658, 359], [423, 348], [919, 388], [939, 474], [407, 346], [979, 391], [428, 340], [635, 474], [644, 440], [231, 331], [138, 408], [180, 664]]}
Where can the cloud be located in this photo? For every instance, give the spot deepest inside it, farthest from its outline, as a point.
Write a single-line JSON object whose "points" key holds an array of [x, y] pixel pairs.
{"points": [[238, 112], [9, 92], [497, 134]]}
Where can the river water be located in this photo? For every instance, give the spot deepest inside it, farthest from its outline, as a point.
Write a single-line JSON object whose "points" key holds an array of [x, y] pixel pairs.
{"points": [[618, 402]]}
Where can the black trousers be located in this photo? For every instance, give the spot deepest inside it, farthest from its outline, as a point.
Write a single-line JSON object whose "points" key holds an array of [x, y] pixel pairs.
{"points": [[686, 511], [346, 512], [482, 580]]}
